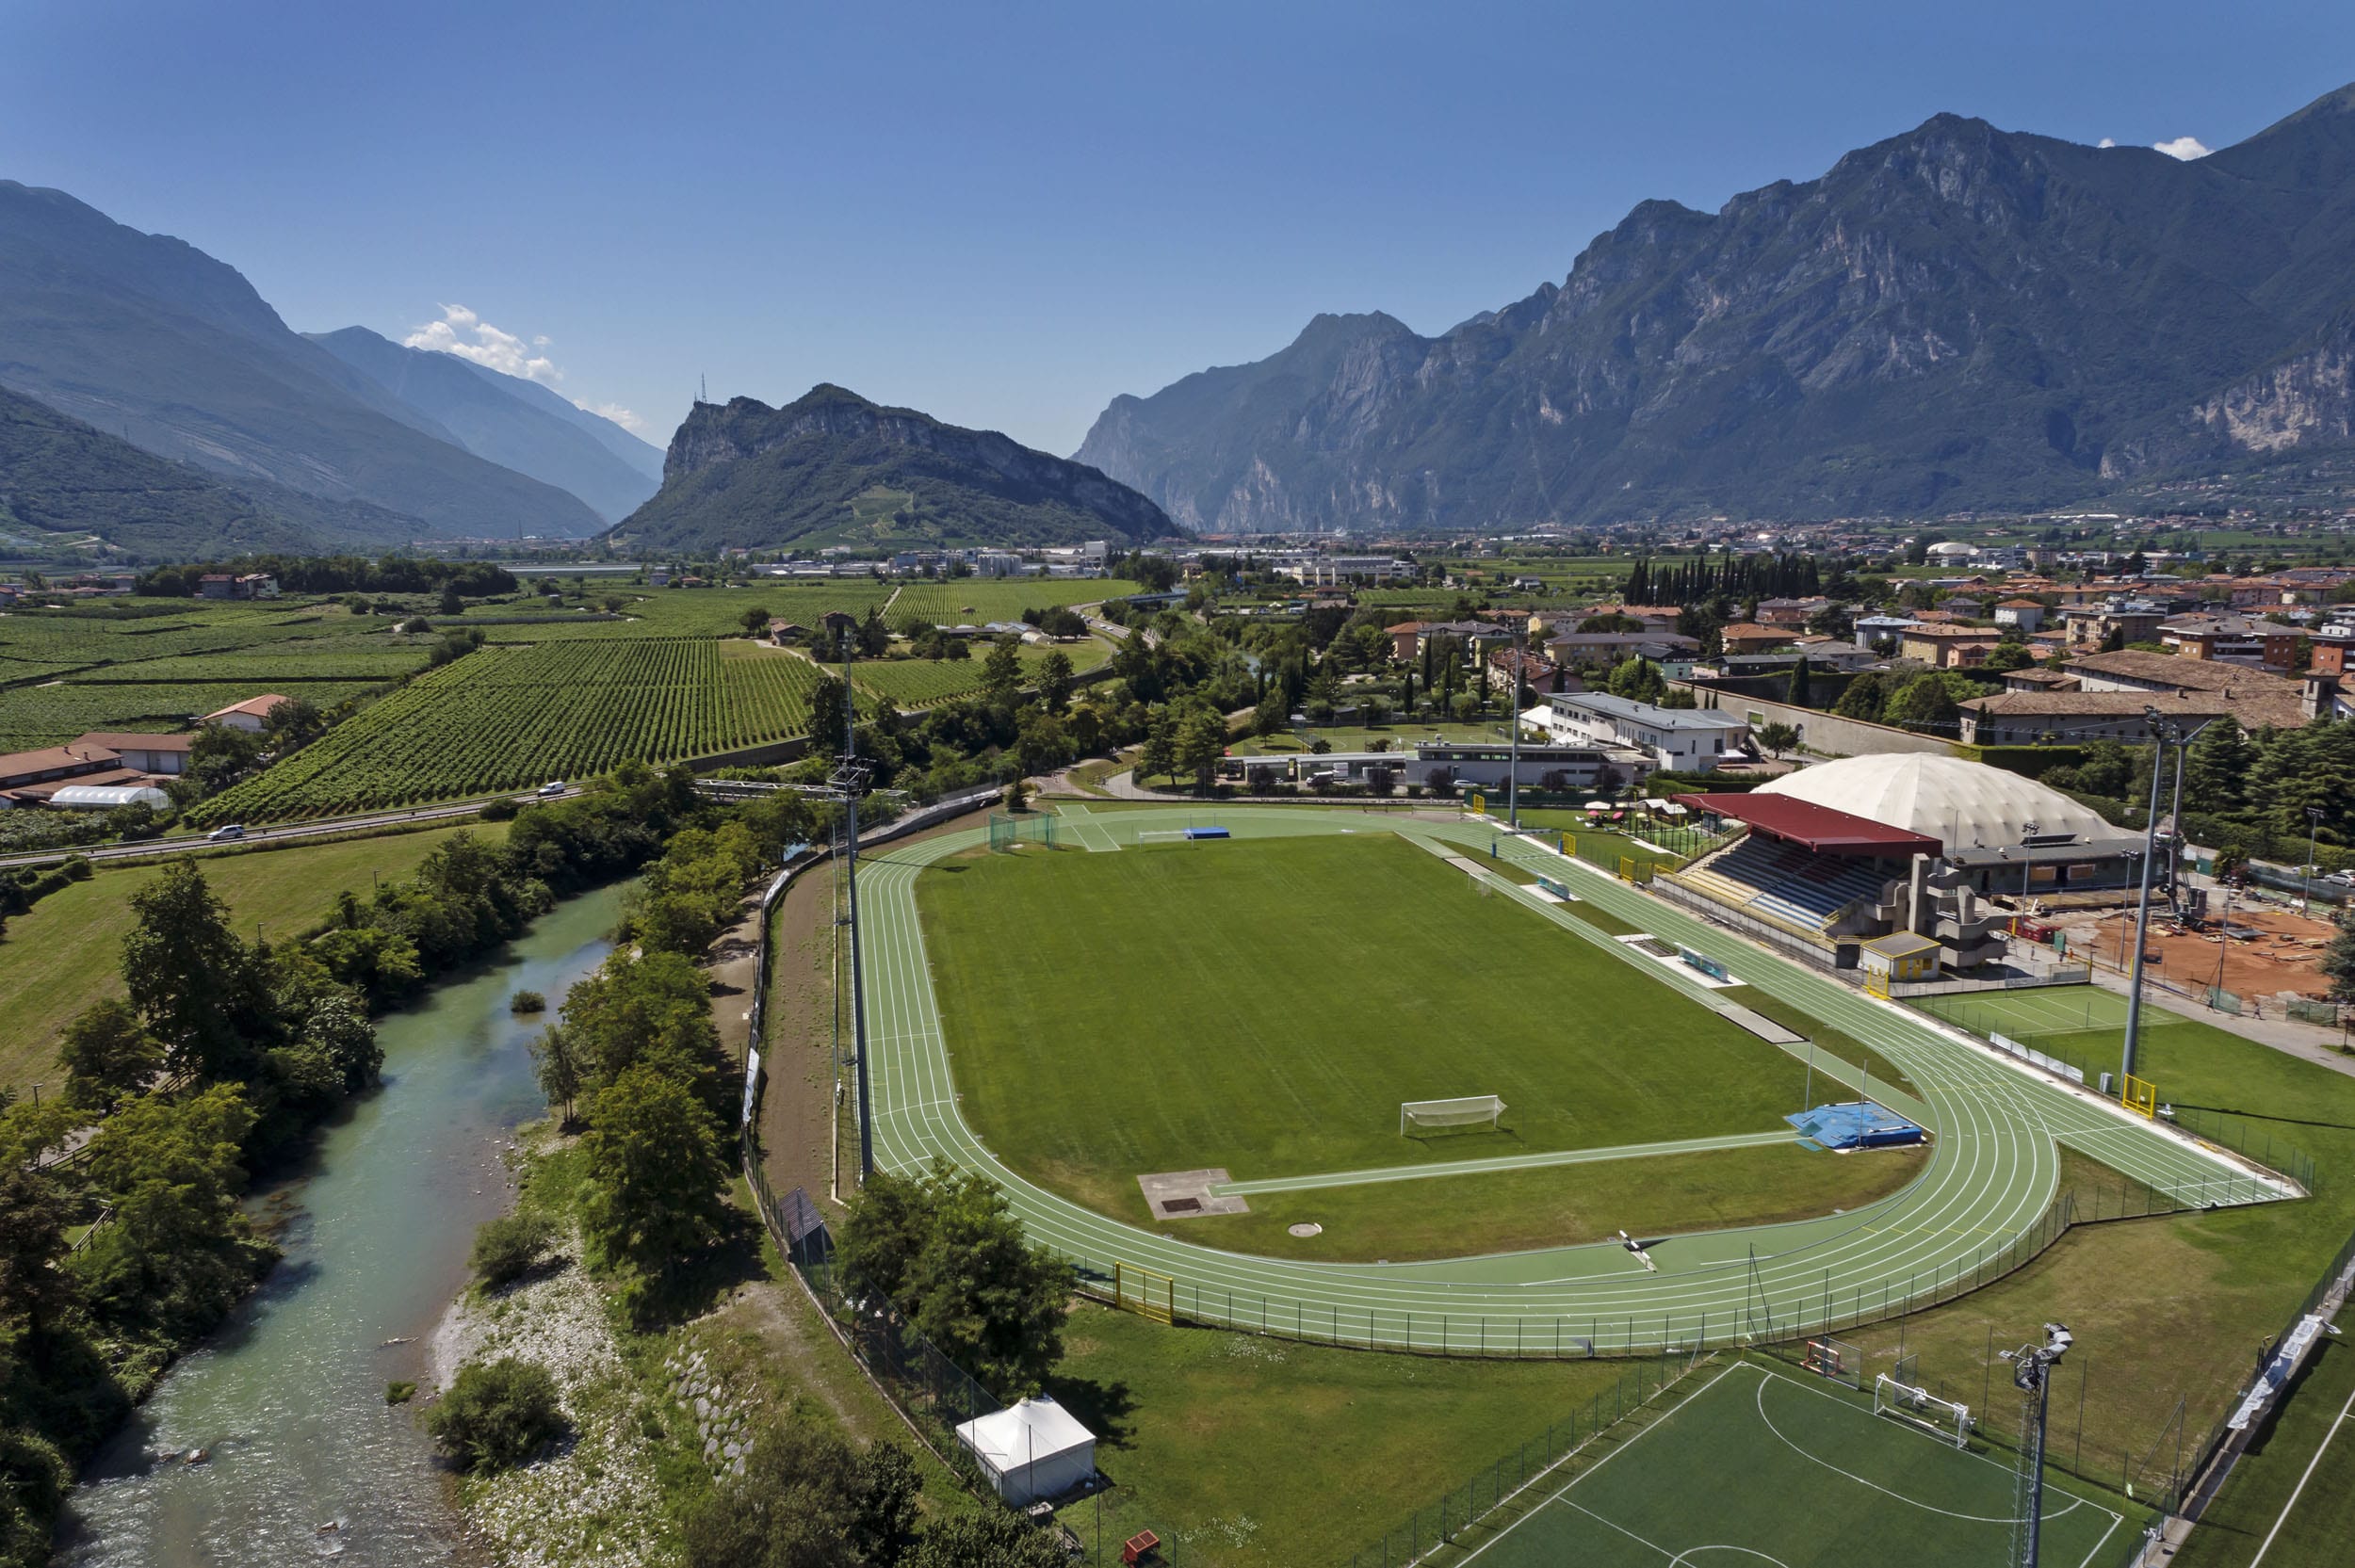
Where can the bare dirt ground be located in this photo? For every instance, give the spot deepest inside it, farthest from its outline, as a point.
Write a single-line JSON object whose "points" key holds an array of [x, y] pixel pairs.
{"points": [[2272, 952]]}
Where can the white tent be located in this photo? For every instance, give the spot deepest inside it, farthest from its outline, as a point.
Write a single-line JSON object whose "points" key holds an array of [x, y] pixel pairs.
{"points": [[1034, 1448], [107, 796]]}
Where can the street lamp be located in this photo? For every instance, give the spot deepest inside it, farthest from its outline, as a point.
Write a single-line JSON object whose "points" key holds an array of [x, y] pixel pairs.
{"points": [[2314, 822]]}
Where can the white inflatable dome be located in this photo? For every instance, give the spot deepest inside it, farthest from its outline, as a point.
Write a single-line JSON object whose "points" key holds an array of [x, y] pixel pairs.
{"points": [[1963, 805]]}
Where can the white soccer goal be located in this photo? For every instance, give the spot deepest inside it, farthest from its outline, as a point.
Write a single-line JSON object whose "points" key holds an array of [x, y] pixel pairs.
{"points": [[1942, 1418], [1449, 1115]]}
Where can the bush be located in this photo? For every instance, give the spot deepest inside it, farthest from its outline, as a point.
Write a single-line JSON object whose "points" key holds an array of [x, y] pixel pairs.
{"points": [[504, 1247], [527, 1002], [501, 810], [496, 1415]]}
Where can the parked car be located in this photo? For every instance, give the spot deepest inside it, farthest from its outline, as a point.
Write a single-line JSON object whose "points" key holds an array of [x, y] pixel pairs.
{"points": [[226, 832]]}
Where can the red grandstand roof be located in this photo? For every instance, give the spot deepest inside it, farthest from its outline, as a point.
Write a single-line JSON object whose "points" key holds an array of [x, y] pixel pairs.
{"points": [[1818, 828]]}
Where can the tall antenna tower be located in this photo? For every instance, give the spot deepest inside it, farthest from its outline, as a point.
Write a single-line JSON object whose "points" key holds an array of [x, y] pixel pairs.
{"points": [[2032, 1374], [703, 389]]}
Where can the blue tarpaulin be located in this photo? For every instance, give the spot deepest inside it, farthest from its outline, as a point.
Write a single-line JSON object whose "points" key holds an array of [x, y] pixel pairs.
{"points": [[1208, 833], [1857, 1125]]}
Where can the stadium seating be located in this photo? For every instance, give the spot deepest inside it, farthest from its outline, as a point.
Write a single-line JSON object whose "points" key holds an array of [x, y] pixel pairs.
{"points": [[1784, 883]]}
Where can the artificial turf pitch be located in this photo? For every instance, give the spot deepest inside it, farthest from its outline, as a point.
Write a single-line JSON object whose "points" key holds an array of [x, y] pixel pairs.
{"points": [[1266, 1008], [1762, 1465]]}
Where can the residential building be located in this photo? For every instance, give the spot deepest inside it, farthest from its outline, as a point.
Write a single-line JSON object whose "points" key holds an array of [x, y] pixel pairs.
{"points": [[2125, 620], [249, 715], [1791, 612], [2025, 614], [1748, 637], [1693, 740], [2233, 639], [2258, 697], [1947, 646], [142, 753], [1873, 629], [2032, 718]]}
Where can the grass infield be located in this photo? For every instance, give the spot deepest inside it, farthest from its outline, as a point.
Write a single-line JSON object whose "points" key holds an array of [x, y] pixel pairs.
{"points": [[1265, 1010]]}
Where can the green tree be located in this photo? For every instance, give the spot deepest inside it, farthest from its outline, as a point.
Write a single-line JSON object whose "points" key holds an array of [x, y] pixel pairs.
{"points": [[37, 1292], [2217, 765], [1159, 757], [496, 1414], [1777, 737], [1865, 699], [987, 1538], [808, 1499], [948, 1252], [1637, 680], [1801, 692], [754, 620], [190, 978], [107, 1056], [179, 1251], [657, 1169], [1055, 681], [1926, 703], [555, 1061], [2338, 959], [1200, 741], [1002, 673]]}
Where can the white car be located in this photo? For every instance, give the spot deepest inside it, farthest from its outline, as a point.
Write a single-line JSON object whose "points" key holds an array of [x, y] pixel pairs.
{"points": [[554, 787], [225, 834]]}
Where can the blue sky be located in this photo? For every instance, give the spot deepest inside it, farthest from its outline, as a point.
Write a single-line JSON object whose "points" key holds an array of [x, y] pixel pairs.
{"points": [[1006, 214]]}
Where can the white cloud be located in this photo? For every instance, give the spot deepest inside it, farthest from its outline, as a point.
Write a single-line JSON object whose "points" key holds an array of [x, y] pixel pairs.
{"points": [[2185, 148], [615, 412], [2106, 141], [462, 333]]}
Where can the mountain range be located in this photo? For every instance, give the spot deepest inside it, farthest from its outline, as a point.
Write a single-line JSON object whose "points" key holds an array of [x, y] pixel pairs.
{"points": [[147, 338], [1953, 318], [833, 468]]}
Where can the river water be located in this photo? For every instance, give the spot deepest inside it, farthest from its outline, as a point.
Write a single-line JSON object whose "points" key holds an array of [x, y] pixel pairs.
{"points": [[288, 1398]]}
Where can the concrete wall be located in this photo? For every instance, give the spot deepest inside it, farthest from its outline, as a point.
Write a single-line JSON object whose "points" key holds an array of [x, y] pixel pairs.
{"points": [[1818, 730]]}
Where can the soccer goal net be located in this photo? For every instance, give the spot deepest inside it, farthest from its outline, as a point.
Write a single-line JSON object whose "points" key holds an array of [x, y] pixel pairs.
{"points": [[1474, 1110], [1940, 1418]]}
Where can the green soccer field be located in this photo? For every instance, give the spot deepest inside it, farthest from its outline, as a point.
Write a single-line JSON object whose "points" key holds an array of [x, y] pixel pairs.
{"points": [[1265, 1008], [2037, 1012], [1765, 1465]]}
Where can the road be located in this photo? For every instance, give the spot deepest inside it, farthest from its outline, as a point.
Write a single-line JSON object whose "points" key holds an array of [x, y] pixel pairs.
{"points": [[1979, 1207], [316, 828]]}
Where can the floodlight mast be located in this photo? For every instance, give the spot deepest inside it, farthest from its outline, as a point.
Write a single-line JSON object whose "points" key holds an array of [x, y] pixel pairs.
{"points": [[2162, 731], [850, 778], [2031, 1373]]}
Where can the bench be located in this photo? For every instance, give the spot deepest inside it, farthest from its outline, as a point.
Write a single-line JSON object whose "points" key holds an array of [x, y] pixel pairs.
{"points": [[1139, 1546]]}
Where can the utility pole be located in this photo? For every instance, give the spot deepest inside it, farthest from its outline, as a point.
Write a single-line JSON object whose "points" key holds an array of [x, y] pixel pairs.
{"points": [[2160, 731], [2031, 1373], [1513, 778]]}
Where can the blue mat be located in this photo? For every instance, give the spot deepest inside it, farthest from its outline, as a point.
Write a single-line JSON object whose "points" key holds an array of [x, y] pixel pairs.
{"points": [[1857, 1125]]}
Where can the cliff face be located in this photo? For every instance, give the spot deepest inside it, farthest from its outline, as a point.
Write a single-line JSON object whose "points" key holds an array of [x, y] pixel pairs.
{"points": [[1959, 316], [832, 467]]}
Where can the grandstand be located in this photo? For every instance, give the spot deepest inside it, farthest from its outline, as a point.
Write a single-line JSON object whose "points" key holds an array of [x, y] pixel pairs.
{"points": [[1848, 851]]}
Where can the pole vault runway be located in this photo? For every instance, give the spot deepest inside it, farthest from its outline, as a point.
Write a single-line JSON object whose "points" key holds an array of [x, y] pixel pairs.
{"points": [[1982, 1203]]}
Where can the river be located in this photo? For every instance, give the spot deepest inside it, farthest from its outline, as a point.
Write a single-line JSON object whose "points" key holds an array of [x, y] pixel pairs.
{"points": [[288, 1398]]}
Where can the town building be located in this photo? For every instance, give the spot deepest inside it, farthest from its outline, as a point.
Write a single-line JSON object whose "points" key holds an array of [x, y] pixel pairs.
{"points": [[1690, 740]]}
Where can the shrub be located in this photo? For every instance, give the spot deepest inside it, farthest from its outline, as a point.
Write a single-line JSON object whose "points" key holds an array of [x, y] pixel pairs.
{"points": [[399, 1393], [500, 810], [504, 1247], [527, 1002], [496, 1415]]}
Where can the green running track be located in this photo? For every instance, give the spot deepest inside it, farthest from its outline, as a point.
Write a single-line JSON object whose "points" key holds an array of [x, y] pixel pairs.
{"points": [[1984, 1203]]}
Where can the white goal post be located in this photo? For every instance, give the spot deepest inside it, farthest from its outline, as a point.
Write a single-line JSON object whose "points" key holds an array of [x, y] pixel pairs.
{"points": [[1942, 1418], [1444, 1115]]}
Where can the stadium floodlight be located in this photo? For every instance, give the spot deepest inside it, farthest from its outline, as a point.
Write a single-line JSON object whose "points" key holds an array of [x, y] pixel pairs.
{"points": [[2032, 1374], [1468, 1110]]}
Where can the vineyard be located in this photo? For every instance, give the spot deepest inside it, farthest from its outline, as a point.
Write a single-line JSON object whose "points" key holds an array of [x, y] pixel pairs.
{"points": [[978, 600], [675, 611], [506, 718], [922, 683], [34, 717]]}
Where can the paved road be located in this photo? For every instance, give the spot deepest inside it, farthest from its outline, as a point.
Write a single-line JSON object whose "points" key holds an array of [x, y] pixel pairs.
{"points": [[313, 829], [1991, 1175]]}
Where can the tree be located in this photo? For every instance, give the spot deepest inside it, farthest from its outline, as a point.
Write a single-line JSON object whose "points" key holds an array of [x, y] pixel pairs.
{"points": [[1002, 673], [754, 620], [1159, 759], [496, 1414], [506, 1246], [107, 1055], [190, 978], [2338, 959], [2006, 657], [1055, 681], [451, 603], [1864, 698], [2217, 765], [36, 1291], [1200, 741], [808, 1499], [987, 1538], [1637, 680], [1925, 703], [1777, 737], [179, 1251], [1017, 796], [948, 1250], [828, 724], [657, 1173], [1801, 692]]}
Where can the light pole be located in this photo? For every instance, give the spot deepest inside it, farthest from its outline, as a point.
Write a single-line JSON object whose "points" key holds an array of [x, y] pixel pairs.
{"points": [[2032, 1374], [2160, 730], [2027, 862], [2314, 822]]}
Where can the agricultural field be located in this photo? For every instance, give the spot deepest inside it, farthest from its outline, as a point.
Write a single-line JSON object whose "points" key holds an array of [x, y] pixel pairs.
{"points": [[1294, 1066], [977, 601], [506, 718], [33, 717], [668, 612], [62, 955], [923, 683]]}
